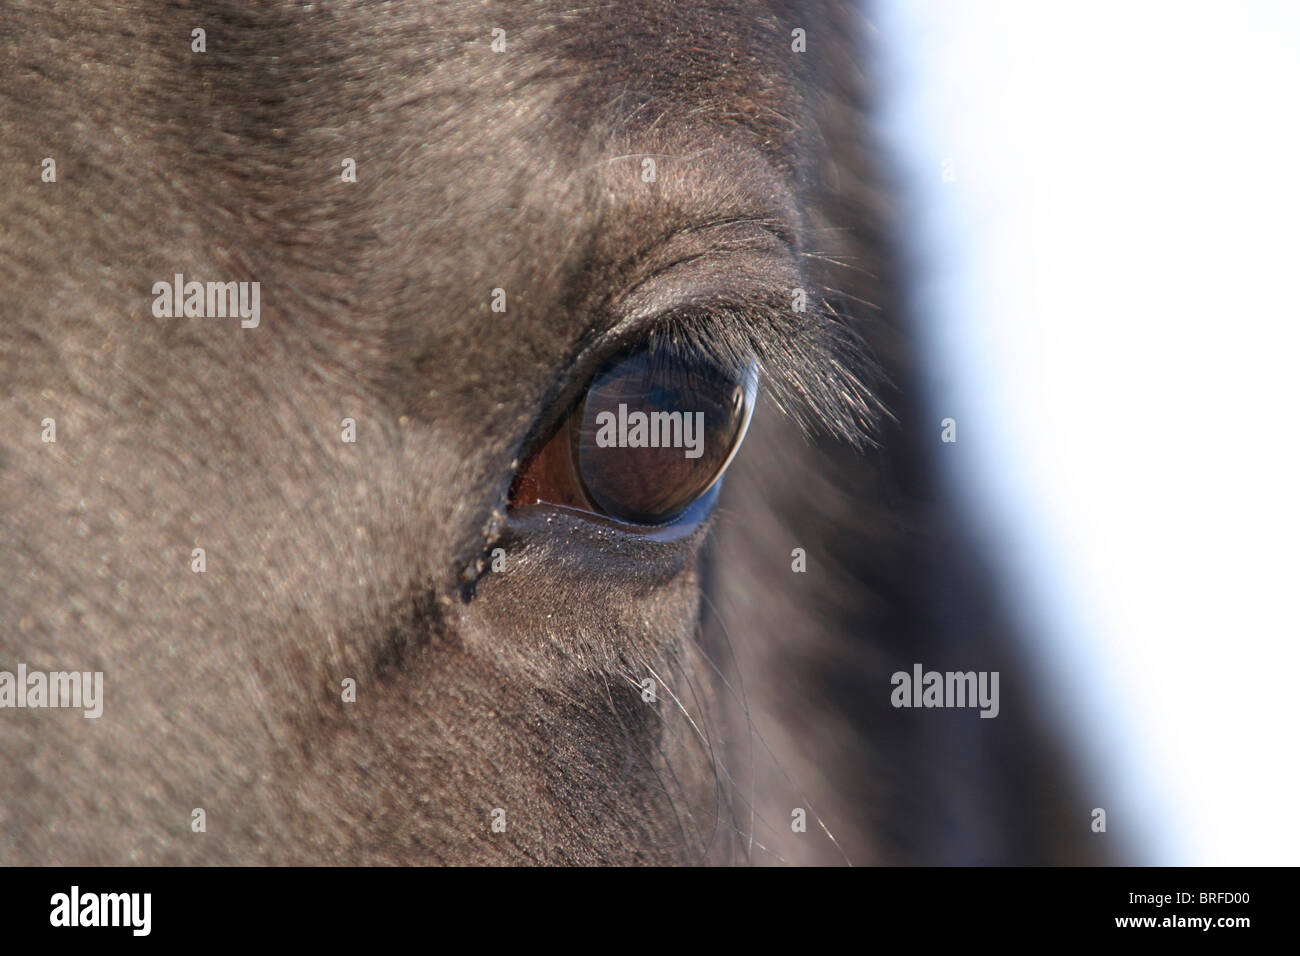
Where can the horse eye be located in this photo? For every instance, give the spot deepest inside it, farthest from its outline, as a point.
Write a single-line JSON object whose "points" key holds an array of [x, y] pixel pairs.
{"points": [[654, 431]]}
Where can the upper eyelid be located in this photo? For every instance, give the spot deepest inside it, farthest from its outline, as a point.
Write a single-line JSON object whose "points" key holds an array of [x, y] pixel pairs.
{"points": [[724, 244], [717, 288], [697, 274]]}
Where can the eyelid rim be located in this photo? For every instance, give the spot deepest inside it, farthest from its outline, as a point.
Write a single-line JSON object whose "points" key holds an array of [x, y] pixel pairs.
{"points": [[687, 524]]}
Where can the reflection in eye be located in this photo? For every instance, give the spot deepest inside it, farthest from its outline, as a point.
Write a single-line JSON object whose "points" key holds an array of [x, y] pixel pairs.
{"points": [[652, 435]]}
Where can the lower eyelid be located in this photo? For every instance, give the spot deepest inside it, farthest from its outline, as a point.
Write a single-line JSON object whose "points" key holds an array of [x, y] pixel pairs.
{"points": [[683, 526]]}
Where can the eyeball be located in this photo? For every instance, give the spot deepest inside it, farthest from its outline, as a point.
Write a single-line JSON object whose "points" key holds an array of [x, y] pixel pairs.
{"points": [[653, 433]]}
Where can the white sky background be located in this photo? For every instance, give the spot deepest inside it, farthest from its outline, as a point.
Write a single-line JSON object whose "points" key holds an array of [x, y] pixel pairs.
{"points": [[1110, 294]]}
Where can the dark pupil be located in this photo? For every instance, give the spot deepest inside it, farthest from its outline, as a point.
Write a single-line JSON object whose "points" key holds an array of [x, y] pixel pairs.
{"points": [[681, 416]]}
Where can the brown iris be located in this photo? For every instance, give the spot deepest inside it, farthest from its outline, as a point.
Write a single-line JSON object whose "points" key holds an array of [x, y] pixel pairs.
{"points": [[652, 435]]}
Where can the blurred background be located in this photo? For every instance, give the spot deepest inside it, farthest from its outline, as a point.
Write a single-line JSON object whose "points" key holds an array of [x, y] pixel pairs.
{"points": [[1101, 209]]}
